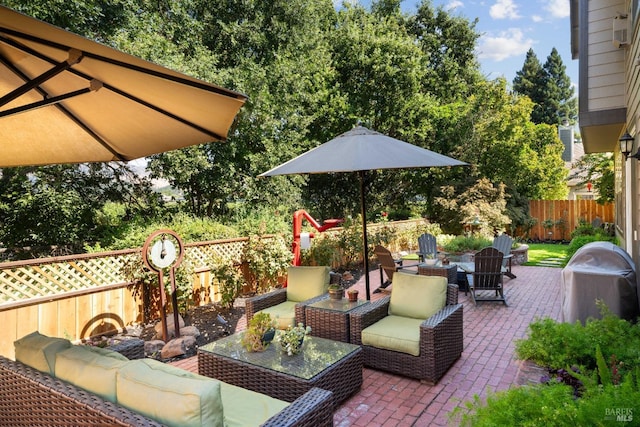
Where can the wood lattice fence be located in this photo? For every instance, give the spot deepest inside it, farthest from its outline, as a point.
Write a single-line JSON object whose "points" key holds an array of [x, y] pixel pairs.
{"points": [[78, 296]]}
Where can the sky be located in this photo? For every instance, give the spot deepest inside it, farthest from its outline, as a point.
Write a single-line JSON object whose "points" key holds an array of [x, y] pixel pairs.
{"points": [[508, 28]]}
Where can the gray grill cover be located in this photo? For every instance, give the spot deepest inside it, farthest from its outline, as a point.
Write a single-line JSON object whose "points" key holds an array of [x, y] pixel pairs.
{"points": [[599, 270]]}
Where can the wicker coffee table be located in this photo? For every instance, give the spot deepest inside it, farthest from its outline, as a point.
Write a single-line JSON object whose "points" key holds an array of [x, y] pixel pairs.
{"points": [[330, 318], [327, 364]]}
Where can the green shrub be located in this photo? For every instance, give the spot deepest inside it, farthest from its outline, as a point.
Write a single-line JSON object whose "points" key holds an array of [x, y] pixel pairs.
{"points": [[267, 259], [325, 250], [554, 404], [559, 345], [555, 345], [460, 244], [579, 241], [531, 406], [230, 280]]}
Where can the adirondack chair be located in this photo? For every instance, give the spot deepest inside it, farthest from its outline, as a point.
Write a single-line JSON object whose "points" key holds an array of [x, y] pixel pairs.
{"points": [[427, 246], [503, 243], [487, 276], [388, 265]]}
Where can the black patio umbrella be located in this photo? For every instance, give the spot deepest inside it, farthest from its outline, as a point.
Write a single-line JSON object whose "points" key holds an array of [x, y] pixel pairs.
{"points": [[68, 99], [361, 150]]}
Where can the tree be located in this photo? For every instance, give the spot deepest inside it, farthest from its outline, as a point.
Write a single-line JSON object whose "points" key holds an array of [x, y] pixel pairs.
{"points": [[548, 87], [531, 81], [598, 169], [61, 204], [560, 103]]}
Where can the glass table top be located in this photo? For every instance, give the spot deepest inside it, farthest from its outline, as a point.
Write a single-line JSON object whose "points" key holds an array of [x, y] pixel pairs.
{"points": [[343, 304], [317, 354]]}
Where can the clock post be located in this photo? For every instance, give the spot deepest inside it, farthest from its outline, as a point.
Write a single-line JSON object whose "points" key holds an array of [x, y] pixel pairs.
{"points": [[160, 252]]}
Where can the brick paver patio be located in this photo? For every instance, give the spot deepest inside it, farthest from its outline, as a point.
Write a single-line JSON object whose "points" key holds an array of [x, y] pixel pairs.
{"points": [[487, 361]]}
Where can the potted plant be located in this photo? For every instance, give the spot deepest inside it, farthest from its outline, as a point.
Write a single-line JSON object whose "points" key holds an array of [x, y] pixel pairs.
{"points": [[336, 291], [352, 294], [430, 259], [292, 339], [259, 333]]}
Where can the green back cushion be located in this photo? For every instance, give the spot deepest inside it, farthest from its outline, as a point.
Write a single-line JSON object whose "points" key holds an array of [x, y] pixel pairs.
{"points": [[304, 283], [417, 296], [395, 333], [91, 368], [39, 351], [244, 407], [284, 313], [169, 395]]}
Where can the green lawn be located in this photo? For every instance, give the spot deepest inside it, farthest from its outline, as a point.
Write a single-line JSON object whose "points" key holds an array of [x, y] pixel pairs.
{"points": [[541, 251]]}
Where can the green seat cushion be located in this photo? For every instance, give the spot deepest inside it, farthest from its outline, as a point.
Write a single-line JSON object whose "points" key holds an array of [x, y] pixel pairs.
{"points": [[395, 333], [417, 296], [91, 368], [106, 352], [284, 313], [169, 395], [304, 283], [39, 351], [244, 407]]}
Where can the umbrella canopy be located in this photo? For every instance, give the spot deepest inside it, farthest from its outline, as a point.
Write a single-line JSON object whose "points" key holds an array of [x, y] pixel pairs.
{"points": [[360, 150], [67, 99]]}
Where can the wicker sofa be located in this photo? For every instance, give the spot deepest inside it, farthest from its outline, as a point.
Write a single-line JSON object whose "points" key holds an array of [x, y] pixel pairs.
{"points": [[29, 396], [440, 339]]}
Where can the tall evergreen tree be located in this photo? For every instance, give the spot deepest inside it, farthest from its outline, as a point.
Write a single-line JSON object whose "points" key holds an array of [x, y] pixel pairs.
{"points": [[549, 88], [531, 81], [560, 103]]}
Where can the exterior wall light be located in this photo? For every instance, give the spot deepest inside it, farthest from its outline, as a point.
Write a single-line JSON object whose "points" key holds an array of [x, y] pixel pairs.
{"points": [[626, 146]]}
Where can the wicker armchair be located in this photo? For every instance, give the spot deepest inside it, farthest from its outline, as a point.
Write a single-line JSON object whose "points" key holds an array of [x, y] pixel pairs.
{"points": [[279, 296], [440, 340]]}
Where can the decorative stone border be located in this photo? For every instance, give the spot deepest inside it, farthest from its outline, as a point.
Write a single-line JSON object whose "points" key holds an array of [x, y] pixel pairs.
{"points": [[520, 255]]}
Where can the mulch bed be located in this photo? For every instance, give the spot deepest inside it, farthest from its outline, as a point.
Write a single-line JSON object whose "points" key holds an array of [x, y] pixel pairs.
{"points": [[214, 321]]}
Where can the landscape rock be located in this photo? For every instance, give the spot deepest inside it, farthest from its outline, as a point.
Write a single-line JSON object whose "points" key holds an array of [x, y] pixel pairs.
{"points": [[171, 330], [178, 347], [189, 331], [153, 347]]}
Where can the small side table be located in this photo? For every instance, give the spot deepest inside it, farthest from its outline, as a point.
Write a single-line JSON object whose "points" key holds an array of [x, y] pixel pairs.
{"points": [[330, 318], [449, 271]]}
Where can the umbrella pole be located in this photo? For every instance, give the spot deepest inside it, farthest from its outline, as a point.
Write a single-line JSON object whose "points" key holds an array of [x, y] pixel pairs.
{"points": [[365, 245]]}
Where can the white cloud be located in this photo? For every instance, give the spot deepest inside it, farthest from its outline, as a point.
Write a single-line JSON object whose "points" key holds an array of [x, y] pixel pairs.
{"points": [[506, 44], [504, 9], [537, 18], [557, 8], [454, 4]]}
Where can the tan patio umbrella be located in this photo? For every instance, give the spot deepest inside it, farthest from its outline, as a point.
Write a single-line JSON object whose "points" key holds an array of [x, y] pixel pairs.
{"points": [[67, 99], [360, 150]]}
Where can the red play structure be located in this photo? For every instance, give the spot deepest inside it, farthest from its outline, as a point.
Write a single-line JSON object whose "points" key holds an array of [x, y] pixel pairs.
{"points": [[297, 229]]}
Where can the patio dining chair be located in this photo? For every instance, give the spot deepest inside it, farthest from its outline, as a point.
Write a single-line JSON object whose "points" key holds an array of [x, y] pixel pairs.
{"points": [[486, 277], [388, 265]]}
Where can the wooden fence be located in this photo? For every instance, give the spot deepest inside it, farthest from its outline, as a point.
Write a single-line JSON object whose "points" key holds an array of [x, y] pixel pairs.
{"points": [[561, 217], [79, 296]]}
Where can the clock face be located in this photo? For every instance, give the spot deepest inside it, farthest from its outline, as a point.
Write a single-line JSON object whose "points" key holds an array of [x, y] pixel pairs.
{"points": [[163, 253]]}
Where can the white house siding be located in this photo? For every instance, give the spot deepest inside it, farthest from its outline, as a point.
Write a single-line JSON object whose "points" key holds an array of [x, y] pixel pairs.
{"points": [[632, 86], [606, 76]]}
